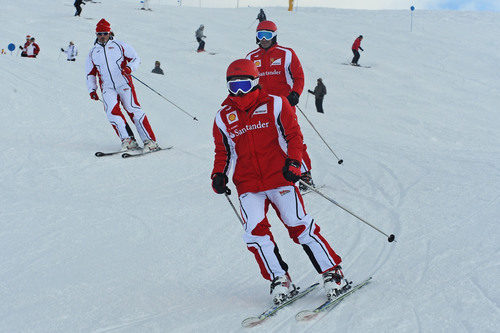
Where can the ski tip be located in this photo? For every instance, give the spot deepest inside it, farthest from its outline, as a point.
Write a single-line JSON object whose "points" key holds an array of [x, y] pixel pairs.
{"points": [[305, 315], [126, 155], [251, 322], [99, 154]]}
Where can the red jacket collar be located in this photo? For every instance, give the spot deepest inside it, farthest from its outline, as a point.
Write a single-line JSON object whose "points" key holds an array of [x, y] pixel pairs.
{"points": [[262, 98]]}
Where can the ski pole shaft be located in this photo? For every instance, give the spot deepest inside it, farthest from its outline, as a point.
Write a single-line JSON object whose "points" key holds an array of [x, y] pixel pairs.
{"points": [[390, 238], [194, 118], [234, 208], [307, 99], [340, 161]]}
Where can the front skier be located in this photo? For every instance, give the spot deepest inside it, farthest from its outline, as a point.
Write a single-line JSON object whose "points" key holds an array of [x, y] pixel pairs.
{"points": [[259, 135], [113, 61]]}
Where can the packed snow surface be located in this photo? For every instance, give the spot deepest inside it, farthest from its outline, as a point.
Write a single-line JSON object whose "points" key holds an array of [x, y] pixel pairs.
{"points": [[93, 244]]}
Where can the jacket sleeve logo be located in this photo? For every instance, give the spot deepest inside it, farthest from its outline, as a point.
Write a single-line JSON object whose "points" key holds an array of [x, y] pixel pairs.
{"points": [[257, 63], [232, 117], [276, 62]]}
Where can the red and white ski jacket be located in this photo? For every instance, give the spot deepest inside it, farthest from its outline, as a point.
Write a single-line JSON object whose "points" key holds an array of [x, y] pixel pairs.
{"points": [[31, 49], [280, 71], [256, 143], [107, 63]]}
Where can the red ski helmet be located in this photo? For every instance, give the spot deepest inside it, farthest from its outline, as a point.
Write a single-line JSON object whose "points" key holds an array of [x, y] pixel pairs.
{"points": [[242, 67], [267, 25]]}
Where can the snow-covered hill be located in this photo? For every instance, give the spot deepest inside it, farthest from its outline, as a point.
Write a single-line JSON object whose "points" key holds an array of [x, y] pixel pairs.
{"points": [[144, 245]]}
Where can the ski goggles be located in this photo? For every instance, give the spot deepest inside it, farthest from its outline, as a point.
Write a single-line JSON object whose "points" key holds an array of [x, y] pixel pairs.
{"points": [[102, 33], [242, 85], [265, 34]]}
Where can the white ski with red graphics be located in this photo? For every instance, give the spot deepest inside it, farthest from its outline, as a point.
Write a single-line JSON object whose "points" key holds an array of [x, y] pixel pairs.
{"points": [[254, 321], [142, 152], [330, 304]]}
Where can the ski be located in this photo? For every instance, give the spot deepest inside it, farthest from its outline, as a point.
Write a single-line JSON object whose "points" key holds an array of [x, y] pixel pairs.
{"points": [[101, 154], [330, 304], [254, 321], [344, 63], [142, 153]]}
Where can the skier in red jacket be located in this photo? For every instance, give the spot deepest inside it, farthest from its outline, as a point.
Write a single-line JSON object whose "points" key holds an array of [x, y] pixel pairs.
{"points": [[259, 136], [280, 74], [355, 46]]}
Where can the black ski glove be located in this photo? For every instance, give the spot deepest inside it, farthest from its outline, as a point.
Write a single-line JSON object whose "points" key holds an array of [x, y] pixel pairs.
{"points": [[291, 170], [293, 98], [62, 50], [310, 91], [219, 181]]}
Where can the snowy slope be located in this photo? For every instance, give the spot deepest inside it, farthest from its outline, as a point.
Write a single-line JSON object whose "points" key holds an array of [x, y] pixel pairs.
{"points": [[144, 245]]}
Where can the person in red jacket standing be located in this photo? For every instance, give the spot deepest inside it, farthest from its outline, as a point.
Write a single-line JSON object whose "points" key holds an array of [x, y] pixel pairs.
{"points": [[259, 136], [280, 74], [355, 46]]}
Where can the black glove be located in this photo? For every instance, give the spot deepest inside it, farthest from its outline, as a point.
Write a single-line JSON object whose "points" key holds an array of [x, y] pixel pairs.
{"points": [[20, 47], [219, 181], [291, 170], [62, 50], [310, 91], [361, 48], [293, 98]]}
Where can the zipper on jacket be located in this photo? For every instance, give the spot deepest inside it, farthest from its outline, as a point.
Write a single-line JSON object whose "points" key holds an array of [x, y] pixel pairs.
{"points": [[107, 65]]}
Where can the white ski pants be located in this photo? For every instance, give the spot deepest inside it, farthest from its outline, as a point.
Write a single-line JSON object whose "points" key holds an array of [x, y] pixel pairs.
{"points": [[289, 206], [126, 95]]}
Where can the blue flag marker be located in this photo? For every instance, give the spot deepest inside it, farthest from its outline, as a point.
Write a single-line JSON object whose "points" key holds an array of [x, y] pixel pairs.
{"points": [[412, 8], [11, 47]]}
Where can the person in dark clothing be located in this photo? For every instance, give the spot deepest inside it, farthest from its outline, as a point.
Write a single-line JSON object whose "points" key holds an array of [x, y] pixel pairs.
{"points": [[319, 92], [262, 16], [157, 68], [355, 46], [78, 7], [199, 38]]}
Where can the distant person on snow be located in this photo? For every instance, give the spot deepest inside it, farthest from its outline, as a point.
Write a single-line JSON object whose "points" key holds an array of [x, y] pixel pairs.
{"points": [[199, 38], [355, 46], [71, 51], [25, 47], [145, 5], [157, 69], [251, 130], [78, 7], [261, 16], [30, 48], [113, 62], [319, 92], [281, 74]]}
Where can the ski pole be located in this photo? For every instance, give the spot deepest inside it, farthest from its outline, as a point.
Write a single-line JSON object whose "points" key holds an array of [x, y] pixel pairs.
{"points": [[307, 98], [390, 238], [340, 161], [234, 208], [194, 118]]}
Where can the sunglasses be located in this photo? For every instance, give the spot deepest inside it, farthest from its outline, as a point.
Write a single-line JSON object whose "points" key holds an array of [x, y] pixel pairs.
{"points": [[265, 34], [242, 85], [102, 33]]}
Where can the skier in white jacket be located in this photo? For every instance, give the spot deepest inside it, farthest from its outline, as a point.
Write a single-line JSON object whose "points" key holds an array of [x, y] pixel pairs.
{"points": [[71, 51], [113, 61]]}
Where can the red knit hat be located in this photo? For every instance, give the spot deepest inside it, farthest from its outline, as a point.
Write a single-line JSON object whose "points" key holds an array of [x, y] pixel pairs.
{"points": [[103, 26]]}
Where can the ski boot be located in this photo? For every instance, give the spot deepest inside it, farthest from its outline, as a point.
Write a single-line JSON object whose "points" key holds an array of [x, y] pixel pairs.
{"points": [[151, 145], [129, 144], [282, 289], [334, 282], [306, 178]]}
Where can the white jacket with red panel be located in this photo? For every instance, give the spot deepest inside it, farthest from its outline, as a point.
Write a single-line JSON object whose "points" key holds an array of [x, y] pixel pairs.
{"points": [[256, 143], [107, 63]]}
